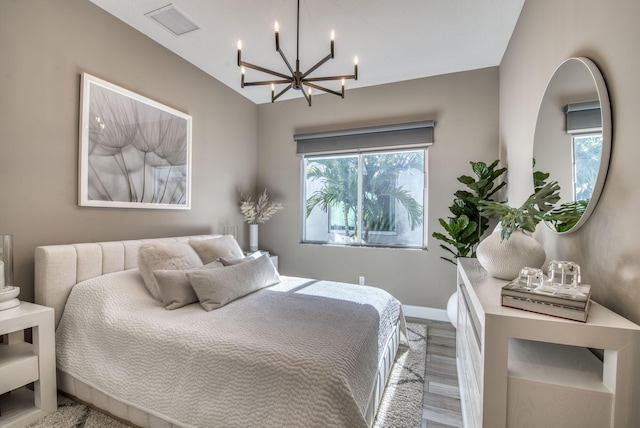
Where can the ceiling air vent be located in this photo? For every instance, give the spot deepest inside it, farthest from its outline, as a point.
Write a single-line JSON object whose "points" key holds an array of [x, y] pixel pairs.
{"points": [[172, 19]]}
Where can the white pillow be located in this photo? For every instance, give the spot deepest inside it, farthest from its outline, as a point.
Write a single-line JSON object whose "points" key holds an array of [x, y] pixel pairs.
{"points": [[174, 286], [211, 250], [230, 262], [164, 256], [217, 287]]}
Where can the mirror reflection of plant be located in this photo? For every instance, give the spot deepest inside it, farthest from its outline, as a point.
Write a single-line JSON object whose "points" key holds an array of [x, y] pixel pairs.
{"points": [[465, 228], [539, 178], [528, 215], [565, 216]]}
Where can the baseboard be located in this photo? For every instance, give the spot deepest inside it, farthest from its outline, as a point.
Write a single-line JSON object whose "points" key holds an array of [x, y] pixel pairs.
{"points": [[425, 313]]}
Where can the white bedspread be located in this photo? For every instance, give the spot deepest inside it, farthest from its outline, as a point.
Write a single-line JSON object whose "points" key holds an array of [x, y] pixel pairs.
{"points": [[287, 356]]}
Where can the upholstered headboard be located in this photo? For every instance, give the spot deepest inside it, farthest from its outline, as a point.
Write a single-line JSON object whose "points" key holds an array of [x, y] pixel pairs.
{"points": [[59, 267]]}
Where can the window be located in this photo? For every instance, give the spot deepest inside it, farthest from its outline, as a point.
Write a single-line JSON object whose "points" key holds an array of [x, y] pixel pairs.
{"points": [[374, 198], [365, 186]]}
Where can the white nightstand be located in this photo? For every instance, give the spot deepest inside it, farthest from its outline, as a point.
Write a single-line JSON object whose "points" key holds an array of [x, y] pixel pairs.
{"points": [[274, 260], [22, 363]]}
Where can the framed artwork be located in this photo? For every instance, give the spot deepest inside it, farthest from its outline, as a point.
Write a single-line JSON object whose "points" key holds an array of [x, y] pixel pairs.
{"points": [[134, 152]]}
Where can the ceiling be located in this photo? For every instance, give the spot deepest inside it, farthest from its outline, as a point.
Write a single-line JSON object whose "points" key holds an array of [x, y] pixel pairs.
{"points": [[395, 40]]}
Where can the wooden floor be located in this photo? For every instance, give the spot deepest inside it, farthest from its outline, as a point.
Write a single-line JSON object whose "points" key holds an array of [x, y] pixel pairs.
{"points": [[441, 392]]}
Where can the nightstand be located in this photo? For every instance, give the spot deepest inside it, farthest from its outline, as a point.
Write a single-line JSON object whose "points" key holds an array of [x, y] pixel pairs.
{"points": [[274, 260], [23, 363]]}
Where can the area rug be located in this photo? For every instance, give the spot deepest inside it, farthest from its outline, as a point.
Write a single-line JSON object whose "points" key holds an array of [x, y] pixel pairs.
{"points": [[401, 405]]}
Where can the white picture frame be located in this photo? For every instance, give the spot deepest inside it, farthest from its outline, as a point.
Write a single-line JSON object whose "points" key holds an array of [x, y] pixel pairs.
{"points": [[134, 152]]}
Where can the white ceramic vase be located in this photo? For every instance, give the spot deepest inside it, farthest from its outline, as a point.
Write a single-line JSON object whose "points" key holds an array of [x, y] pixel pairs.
{"points": [[452, 309], [504, 259], [253, 237]]}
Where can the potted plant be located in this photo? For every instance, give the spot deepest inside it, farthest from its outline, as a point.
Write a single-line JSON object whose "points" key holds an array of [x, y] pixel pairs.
{"points": [[465, 228], [510, 247], [256, 212]]}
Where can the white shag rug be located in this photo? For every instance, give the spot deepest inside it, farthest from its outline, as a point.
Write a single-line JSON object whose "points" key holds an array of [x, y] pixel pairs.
{"points": [[401, 405], [402, 401]]}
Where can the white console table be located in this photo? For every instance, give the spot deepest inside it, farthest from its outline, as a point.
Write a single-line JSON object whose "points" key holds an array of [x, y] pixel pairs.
{"points": [[521, 369]]}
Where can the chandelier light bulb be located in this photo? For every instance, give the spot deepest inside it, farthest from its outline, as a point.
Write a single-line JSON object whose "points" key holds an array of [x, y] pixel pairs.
{"points": [[276, 27], [333, 35], [355, 60], [239, 44]]}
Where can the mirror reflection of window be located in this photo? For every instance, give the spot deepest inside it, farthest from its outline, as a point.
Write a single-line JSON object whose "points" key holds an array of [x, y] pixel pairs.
{"points": [[587, 151]]}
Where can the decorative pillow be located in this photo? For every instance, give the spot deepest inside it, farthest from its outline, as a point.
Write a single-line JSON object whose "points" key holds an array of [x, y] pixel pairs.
{"points": [[217, 287], [174, 286], [230, 262], [163, 256], [210, 250]]}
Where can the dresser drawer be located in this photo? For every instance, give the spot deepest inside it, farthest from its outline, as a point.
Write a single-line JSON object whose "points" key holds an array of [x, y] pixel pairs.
{"points": [[471, 335]]}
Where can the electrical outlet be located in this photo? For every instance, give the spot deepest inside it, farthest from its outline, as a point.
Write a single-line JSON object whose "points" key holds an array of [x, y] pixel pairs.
{"points": [[361, 280]]}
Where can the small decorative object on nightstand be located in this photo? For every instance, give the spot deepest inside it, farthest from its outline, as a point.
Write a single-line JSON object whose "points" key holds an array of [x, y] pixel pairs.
{"points": [[23, 363]]}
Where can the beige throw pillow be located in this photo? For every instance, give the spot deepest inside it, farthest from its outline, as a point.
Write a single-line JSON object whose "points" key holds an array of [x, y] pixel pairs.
{"points": [[175, 288], [162, 256], [211, 250], [230, 262], [217, 287]]}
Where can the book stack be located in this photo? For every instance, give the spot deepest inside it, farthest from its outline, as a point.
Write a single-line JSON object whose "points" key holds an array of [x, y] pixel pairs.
{"points": [[572, 303]]}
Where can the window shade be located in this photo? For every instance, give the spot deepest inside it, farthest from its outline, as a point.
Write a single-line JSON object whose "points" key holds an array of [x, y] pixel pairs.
{"points": [[584, 117], [402, 135]]}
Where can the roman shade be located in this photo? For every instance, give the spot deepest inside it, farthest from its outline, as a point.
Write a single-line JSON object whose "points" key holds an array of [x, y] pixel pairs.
{"points": [[402, 135], [584, 117]]}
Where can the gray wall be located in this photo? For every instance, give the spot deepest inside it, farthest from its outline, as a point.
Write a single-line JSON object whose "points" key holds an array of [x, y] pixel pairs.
{"points": [[549, 31], [465, 108], [44, 46]]}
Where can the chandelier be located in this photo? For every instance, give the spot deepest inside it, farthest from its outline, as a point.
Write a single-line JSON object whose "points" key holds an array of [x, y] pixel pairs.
{"points": [[295, 79]]}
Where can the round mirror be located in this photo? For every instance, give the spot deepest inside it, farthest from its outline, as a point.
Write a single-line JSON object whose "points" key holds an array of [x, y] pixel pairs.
{"points": [[572, 141]]}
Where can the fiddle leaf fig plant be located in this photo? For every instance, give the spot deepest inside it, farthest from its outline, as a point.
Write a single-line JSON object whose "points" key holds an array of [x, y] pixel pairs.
{"points": [[465, 228], [528, 215]]}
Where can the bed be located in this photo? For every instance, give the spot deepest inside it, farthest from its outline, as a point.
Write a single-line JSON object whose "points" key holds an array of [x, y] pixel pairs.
{"points": [[300, 352]]}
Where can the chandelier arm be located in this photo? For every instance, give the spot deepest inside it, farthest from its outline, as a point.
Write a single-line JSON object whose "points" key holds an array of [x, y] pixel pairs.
{"points": [[273, 98], [264, 70], [284, 58], [307, 96], [267, 82], [320, 88], [321, 79], [318, 64]]}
